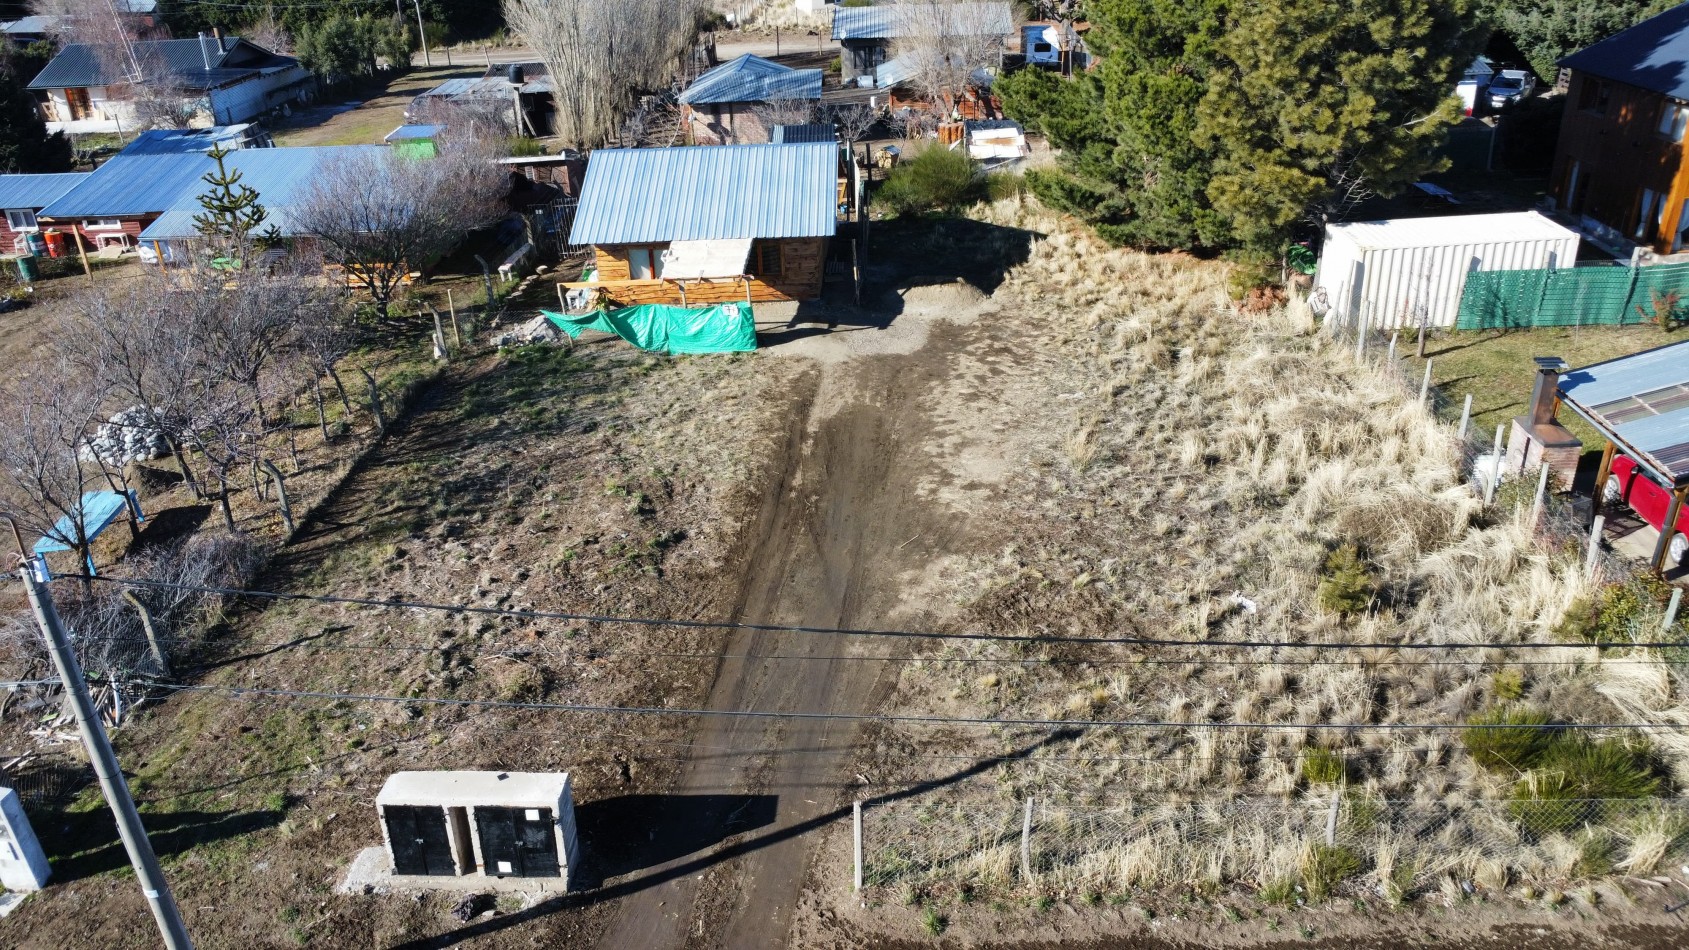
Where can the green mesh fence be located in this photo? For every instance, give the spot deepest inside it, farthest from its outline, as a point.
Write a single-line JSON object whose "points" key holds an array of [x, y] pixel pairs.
{"points": [[1572, 296]]}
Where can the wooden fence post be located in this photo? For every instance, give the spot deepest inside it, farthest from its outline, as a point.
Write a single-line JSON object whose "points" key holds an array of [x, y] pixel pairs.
{"points": [[1465, 418], [451, 305], [1594, 546], [1541, 501], [1495, 471], [1390, 356], [1425, 384], [1026, 843], [1671, 608], [1331, 819], [856, 812]]}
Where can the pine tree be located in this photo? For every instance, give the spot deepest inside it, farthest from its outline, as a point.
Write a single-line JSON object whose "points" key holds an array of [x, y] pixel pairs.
{"points": [[1129, 164], [1548, 30], [232, 212], [25, 145], [1319, 104]]}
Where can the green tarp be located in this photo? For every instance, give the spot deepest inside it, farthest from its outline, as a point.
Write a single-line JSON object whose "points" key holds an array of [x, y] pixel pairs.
{"points": [[724, 328]]}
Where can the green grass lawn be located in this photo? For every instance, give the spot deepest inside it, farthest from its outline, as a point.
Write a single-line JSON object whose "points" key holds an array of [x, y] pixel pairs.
{"points": [[1495, 366]]}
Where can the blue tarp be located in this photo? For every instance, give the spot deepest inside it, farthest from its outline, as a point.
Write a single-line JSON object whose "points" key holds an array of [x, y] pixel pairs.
{"points": [[98, 510]]}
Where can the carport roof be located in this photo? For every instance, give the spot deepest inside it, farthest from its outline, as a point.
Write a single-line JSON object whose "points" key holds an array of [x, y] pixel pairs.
{"points": [[1640, 402]]}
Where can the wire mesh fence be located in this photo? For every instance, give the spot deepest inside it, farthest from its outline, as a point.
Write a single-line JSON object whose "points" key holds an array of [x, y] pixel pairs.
{"points": [[1573, 297], [1312, 847]]}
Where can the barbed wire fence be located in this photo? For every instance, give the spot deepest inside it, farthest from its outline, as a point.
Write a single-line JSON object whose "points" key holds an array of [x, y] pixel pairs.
{"points": [[1306, 849]]}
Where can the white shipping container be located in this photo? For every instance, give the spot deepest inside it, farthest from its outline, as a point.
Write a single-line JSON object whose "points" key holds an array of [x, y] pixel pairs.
{"points": [[1391, 272]]}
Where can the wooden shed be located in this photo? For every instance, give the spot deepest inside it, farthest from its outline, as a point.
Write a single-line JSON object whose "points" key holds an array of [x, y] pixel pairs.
{"points": [[694, 226]]}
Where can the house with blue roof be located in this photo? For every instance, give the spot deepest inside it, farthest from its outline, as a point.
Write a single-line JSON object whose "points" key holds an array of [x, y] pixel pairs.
{"points": [[696, 226], [1619, 168], [740, 102], [21, 199], [89, 88], [114, 203]]}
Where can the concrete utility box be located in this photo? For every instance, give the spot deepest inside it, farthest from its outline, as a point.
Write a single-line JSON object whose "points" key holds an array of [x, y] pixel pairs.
{"points": [[494, 824], [23, 865], [1390, 272]]}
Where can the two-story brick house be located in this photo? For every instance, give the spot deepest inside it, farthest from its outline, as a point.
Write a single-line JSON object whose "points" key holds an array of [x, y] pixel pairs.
{"points": [[1620, 165]]}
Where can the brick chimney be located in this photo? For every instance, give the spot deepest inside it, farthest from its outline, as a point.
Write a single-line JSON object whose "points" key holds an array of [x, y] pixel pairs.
{"points": [[1536, 437]]}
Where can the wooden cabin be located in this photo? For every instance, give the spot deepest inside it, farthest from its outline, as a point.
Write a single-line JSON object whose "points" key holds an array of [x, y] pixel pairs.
{"points": [[1620, 164], [695, 226]]}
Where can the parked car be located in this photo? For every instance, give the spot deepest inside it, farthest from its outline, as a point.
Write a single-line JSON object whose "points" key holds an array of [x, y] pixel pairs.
{"points": [[1510, 86], [1650, 500]]}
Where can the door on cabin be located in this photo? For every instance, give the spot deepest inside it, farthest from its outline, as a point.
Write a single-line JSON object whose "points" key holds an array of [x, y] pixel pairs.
{"points": [[77, 102]]}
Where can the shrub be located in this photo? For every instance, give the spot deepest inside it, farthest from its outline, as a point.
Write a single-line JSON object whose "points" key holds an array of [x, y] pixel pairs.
{"points": [[1572, 778], [934, 922], [1001, 186], [1279, 891], [523, 147], [1507, 685], [1323, 767], [1617, 613], [1500, 750], [936, 179], [1347, 585], [1324, 867]]}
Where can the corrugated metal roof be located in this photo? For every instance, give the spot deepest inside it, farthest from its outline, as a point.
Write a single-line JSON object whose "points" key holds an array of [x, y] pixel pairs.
{"points": [[1453, 229], [881, 23], [1652, 55], [131, 185], [793, 134], [82, 64], [279, 175], [1642, 400], [181, 141], [36, 191], [706, 193], [28, 26], [405, 132], [894, 72], [750, 78]]}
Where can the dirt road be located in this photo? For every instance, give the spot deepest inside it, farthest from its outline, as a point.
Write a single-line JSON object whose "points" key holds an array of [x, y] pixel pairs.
{"points": [[827, 550]]}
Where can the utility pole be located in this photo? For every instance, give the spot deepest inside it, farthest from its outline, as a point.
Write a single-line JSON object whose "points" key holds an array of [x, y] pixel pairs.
{"points": [[422, 37], [104, 760]]}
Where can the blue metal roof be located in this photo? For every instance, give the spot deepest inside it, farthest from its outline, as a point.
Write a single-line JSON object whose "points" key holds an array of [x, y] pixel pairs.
{"points": [[36, 191], [1652, 55], [232, 59], [128, 186], [1641, 402], [751, 78], [409, 132], [279, 175], [881, 23], [180, 141], [706, 193]]}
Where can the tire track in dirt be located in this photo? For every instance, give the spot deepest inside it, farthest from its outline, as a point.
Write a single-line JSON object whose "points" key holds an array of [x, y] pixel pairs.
{"points": [[828, 551]]}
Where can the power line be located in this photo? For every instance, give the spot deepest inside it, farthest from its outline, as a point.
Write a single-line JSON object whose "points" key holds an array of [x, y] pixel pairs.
{"points": [[241, 691], [393, 604], [590, 654]]}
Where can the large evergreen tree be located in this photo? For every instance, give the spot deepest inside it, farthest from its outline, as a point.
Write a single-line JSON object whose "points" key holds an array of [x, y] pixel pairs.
{"points": [[1320, 104], [1548, 30], [25, 145], [1129, 164]]}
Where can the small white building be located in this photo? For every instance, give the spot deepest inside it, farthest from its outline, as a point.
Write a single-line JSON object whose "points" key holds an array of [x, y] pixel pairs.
{"points": [[1392, 274], [492, 824]]}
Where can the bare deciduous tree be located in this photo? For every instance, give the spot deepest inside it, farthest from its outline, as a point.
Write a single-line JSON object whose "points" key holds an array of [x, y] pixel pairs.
{"points": [[602, 55], [378, 214], [946, 43], [783, 112], [851, 120], [51, 413]]}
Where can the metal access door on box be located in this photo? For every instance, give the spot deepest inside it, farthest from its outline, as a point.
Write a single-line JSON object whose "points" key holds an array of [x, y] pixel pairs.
{"points": [[517, 842], [419, 839]]}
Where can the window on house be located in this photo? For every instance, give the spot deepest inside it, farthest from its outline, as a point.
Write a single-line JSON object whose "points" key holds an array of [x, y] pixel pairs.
{"points": [[645, 263], [765, 259], [1593, 96], [1648, 214], [1673, 117], [103, 224], [21, 219]]}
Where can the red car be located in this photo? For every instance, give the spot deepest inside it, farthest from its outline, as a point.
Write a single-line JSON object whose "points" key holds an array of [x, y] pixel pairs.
{"points": [[1630, 484]]}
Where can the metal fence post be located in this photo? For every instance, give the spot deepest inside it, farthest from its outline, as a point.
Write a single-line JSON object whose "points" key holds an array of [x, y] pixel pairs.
{"points": [[856, 812], [1026, 843]]}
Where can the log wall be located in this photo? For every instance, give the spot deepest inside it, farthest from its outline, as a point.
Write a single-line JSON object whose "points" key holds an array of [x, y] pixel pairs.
{"points": [[803, 267]]}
